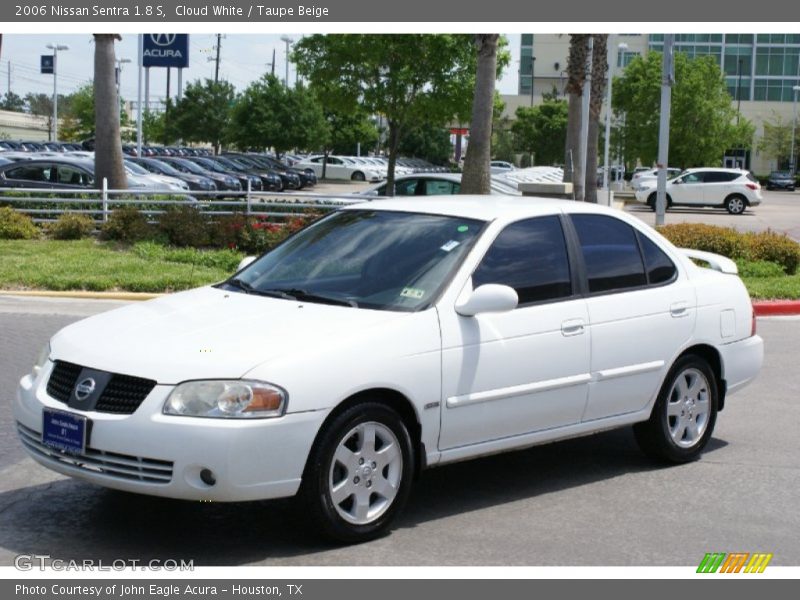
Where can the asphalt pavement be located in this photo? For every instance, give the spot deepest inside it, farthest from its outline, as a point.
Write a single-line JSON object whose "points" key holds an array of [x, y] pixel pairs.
{"points": [[589, 501]]}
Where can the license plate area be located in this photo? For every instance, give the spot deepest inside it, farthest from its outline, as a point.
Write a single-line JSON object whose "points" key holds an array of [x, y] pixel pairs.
{"points": [[64, 431]]}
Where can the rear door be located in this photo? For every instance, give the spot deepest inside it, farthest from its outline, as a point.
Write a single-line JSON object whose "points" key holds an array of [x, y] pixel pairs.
{"points": [[718, 185]]}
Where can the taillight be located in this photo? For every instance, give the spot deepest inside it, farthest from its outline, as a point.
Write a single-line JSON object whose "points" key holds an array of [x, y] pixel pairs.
{"points": [[752, 321], [752, 186]]}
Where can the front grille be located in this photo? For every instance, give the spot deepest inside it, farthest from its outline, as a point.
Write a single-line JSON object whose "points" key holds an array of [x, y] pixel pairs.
{"points": [[110, 464], [122, 395], [62, 380]]}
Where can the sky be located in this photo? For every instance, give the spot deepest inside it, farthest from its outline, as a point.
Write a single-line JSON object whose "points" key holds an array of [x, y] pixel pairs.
{"points": [[244, 58]]}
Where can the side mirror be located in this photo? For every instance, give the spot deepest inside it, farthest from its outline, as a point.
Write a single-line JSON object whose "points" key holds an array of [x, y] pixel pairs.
{"points": [[677, 181], [491, 297], [244, 262]]}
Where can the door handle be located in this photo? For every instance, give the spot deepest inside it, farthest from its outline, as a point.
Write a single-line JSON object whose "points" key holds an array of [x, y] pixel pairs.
{"points": [[679, 309], [572, 327]]}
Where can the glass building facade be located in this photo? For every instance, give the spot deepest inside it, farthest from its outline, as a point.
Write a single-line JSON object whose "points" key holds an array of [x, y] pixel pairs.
{"points": [[760, 67]]}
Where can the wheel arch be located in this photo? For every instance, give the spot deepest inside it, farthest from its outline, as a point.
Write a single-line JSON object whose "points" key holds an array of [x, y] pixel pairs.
{"points": [[712, 357], [393, 399]]}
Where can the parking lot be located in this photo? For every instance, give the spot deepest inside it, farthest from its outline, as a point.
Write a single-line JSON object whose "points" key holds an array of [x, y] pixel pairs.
{"points": [[589, 501]]}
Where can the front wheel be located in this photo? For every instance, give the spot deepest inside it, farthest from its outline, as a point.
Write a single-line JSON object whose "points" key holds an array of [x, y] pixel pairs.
{"points": [[684, 414], [359, 474], [735, 204], [358, 176]]}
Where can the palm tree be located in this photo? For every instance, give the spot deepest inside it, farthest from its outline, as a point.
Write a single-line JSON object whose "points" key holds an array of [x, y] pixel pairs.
{"points": [[598, 86], [108, 143], [476, 178], [576, 75]]}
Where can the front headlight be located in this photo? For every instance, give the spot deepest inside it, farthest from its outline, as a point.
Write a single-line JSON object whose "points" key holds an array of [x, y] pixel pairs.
{"points": [[231, 399], [44, 354]]}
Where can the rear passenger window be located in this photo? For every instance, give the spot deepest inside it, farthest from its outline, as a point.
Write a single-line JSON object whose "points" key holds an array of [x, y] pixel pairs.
{"points": [[660, 269], [720, 177], [531, 257], [610, 253]]}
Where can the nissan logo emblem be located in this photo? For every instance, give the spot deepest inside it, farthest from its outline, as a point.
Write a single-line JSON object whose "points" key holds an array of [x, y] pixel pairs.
{"points": [[85, 388], [163, 39]]}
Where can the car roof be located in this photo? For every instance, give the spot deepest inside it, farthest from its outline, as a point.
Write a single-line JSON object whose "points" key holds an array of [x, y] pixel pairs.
{"points": [[715, 169], [483, 208]]}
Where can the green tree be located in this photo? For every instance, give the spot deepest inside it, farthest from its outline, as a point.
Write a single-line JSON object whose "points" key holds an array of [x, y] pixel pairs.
{"points": [[78, 117], [203, 114], [270, 114], [776, 142], [348, 130], [542, 131], [703, 123], [13, 102], [406, 78], [427, 141]]}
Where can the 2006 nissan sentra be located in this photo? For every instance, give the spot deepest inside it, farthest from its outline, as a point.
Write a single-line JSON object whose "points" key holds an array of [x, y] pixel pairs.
{"points": [[389, 337]]}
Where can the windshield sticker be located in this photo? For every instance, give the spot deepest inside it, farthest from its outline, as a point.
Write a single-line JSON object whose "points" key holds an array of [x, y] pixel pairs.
{"points": [[449, 245], [412, 293], [463, 228]]}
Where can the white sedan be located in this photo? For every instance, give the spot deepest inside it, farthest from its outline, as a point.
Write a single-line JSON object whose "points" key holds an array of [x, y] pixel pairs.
{"points": [[341, 167], [391, 337]]}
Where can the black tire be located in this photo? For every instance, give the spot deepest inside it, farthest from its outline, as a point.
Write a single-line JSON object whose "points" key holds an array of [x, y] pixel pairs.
{"points": [[651, 201], [358, 176], [335, 520], [656, 436], [735, 204]]}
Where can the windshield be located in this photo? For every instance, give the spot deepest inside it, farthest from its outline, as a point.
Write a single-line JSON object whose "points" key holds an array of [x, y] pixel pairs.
{"points": [[162, 167], [188, 165], [364, 258]]}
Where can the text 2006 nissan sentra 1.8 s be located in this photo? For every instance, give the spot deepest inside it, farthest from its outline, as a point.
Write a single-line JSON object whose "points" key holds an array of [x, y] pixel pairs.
{"points": [[389, 337]]}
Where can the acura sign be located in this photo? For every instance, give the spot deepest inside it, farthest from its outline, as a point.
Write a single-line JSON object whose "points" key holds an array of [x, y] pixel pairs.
{"points": [[166, 50]]}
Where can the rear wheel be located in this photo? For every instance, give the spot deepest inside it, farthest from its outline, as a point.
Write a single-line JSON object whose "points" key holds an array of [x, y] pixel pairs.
{"points": [[359, 474], [735, 204], [684, 414]]}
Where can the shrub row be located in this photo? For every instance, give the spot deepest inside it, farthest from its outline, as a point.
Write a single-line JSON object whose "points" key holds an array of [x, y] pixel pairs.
{"points": [[766, 246], [187, 227], [182, 226]]}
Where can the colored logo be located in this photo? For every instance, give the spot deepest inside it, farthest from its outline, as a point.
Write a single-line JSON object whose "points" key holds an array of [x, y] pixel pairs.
{"points": [[736, 562]]}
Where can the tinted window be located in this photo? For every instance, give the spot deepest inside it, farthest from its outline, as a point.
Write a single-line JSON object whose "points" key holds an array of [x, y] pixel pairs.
{"points": [[719, 177], [693, 178], [438, 187], [30, 173], [660, 268], [531, 257], [409, 187], [72, 176], [610, 253]]}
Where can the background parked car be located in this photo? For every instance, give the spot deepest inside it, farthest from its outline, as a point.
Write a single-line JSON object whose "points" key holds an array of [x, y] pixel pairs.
{"points": [[731, 189], [338, 167], [226, 183], [195, 182], [647, 177], [781, 180]]}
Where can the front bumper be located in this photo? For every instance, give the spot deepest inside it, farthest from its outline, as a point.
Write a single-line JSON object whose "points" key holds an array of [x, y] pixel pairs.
{"points": [[151, 453]]}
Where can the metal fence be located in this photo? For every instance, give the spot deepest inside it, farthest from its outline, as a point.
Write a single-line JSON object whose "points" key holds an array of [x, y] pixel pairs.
{"points": [[46, 205]]}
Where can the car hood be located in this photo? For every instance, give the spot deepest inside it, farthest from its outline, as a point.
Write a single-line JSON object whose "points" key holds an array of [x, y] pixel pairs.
{"points": [[208, 333]]}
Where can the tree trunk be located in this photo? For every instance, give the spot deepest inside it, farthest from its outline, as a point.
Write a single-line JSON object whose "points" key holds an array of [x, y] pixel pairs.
{"points": [[598, 93], [394, 142], [108, 143], [576, 75], [476, 178]]}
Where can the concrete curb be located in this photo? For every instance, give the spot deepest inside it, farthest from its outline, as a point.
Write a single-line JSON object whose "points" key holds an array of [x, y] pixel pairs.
{"points": [[772, 308], [129, 296]]}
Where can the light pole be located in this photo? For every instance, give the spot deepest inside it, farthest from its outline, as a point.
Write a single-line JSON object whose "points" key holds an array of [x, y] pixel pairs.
{"points": [[621, 47], [288, 41], [55, 48], [795, 89]]}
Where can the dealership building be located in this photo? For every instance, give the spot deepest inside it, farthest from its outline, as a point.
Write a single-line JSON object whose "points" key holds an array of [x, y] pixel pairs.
{"points": [[760, 71]]}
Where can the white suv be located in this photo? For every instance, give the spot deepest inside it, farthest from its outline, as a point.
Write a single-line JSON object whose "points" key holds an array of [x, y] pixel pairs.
{"points": [[731, 189]]}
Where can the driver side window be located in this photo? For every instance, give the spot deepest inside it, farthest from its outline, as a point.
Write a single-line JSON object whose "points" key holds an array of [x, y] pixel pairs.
{"points": [[531, 257]]}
